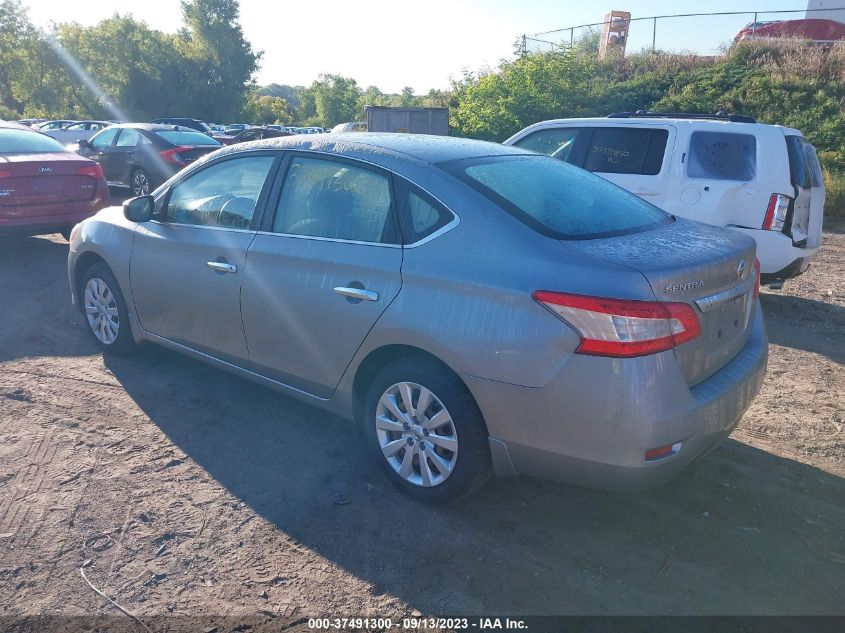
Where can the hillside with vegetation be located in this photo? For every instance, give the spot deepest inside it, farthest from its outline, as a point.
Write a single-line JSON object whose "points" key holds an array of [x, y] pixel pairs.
{"points": [[792, 84]]}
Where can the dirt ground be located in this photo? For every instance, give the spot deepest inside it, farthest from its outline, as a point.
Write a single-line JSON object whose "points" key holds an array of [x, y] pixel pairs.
{"points": [[179, 489]]}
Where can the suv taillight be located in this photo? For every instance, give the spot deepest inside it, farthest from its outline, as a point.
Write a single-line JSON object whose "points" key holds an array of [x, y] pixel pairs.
{"points": [[623, 328], [776, 212]]}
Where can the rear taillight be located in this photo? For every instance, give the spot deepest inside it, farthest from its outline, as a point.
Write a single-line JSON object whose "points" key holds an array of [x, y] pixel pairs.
{"points": [[756, 278], [94, 171], [5, 173], [618, 327], [173, 156], [776, 212]]}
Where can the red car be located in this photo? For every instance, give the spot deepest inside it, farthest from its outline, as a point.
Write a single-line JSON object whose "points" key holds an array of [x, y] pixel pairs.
{"points": [[45, 188], [815, 30]]}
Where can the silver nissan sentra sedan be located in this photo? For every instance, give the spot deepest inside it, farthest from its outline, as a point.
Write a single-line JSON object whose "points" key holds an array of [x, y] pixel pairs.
{"points": [[474, 308]]}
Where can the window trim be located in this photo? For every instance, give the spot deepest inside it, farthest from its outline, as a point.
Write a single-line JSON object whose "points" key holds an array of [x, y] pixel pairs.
{"points": [[160, 215], [272, 204]]}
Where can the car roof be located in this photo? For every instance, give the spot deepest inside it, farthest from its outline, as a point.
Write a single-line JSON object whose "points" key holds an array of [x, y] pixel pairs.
{"points": [[14, 125], [712, 124], [372, 145], [154, 127]]}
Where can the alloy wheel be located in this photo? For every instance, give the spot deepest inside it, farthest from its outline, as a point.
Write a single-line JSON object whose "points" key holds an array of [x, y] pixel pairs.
{"points": [[101, 311], [416, 434], [140, 184]]}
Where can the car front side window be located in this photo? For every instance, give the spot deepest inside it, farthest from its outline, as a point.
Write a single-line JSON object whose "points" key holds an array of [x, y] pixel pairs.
{"points": [[224, 194], [104, 138], [335, 200]]}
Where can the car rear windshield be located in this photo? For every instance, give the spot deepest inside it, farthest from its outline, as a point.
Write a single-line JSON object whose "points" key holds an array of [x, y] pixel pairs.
{"points": [[26, 142], [183, 137], [557, 199]]}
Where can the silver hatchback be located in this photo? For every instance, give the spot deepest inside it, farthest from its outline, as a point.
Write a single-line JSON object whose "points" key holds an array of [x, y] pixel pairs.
{"points": [[474, 308]]}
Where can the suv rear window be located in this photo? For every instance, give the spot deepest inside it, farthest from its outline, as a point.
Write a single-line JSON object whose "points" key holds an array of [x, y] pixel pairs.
{"points": [[800, 167], [556, 199], [604, 149], [722, 156]]}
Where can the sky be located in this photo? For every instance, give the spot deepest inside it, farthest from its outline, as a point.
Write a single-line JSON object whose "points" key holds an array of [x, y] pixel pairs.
{"points": [[392, 44]]}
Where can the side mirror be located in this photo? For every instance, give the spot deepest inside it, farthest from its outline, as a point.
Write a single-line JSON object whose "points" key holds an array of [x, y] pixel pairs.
{"points": [[84, 142], [139, 209]]}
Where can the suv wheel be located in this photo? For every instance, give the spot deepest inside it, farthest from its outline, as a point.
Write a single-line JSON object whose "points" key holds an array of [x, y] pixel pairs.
{"points": [[426, 432], [105, 310]]}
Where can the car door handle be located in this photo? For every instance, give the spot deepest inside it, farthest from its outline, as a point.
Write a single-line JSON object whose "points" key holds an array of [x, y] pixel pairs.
{"points": [[357, 293], [222, 267]]}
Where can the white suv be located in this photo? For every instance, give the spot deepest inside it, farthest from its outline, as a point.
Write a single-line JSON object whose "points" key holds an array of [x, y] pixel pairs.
{"points": [[727, 170]]}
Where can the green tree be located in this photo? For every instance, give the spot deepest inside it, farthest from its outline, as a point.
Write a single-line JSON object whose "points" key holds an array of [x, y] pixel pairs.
{"points": [[218, 60], [264, 109], [330, 100]]}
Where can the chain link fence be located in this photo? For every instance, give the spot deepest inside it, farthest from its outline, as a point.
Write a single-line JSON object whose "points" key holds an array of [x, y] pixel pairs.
{"points": [[670, 32]]}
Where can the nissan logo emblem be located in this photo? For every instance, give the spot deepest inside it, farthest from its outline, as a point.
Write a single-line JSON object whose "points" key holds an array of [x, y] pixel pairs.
{"points": [[740, 268]]}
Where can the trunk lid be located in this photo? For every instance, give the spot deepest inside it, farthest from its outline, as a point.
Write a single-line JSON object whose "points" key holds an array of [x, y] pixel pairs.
{"points": [[709, 268], [32, 180]]}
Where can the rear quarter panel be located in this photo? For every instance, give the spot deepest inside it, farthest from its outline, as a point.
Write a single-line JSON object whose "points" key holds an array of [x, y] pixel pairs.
{"points": [[466, 295]]}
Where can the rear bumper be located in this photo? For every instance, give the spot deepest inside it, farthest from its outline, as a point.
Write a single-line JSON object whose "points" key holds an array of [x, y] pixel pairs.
{"points": [[788, 272], [777, 253], [42, 224], [593, 424]]}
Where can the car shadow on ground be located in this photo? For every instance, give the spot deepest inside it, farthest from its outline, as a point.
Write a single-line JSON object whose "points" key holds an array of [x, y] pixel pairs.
{"points": [[33, 278], [741, 531], [806, 324]]}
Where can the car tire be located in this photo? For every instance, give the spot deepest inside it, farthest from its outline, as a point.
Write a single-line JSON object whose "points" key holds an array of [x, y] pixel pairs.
{"points": [[449, 418], [140, 183], [104, 310]]}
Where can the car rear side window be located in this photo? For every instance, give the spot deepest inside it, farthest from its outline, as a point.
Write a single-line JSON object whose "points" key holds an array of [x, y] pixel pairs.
{"points": [[722, 156], [626, 150], [14, 141], [336, 200], [224, 194], [423, 216], [557, 199]]}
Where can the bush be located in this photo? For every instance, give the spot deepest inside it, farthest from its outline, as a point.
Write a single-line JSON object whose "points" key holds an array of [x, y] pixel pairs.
{"points": [[834, 205], [791, 83]]}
